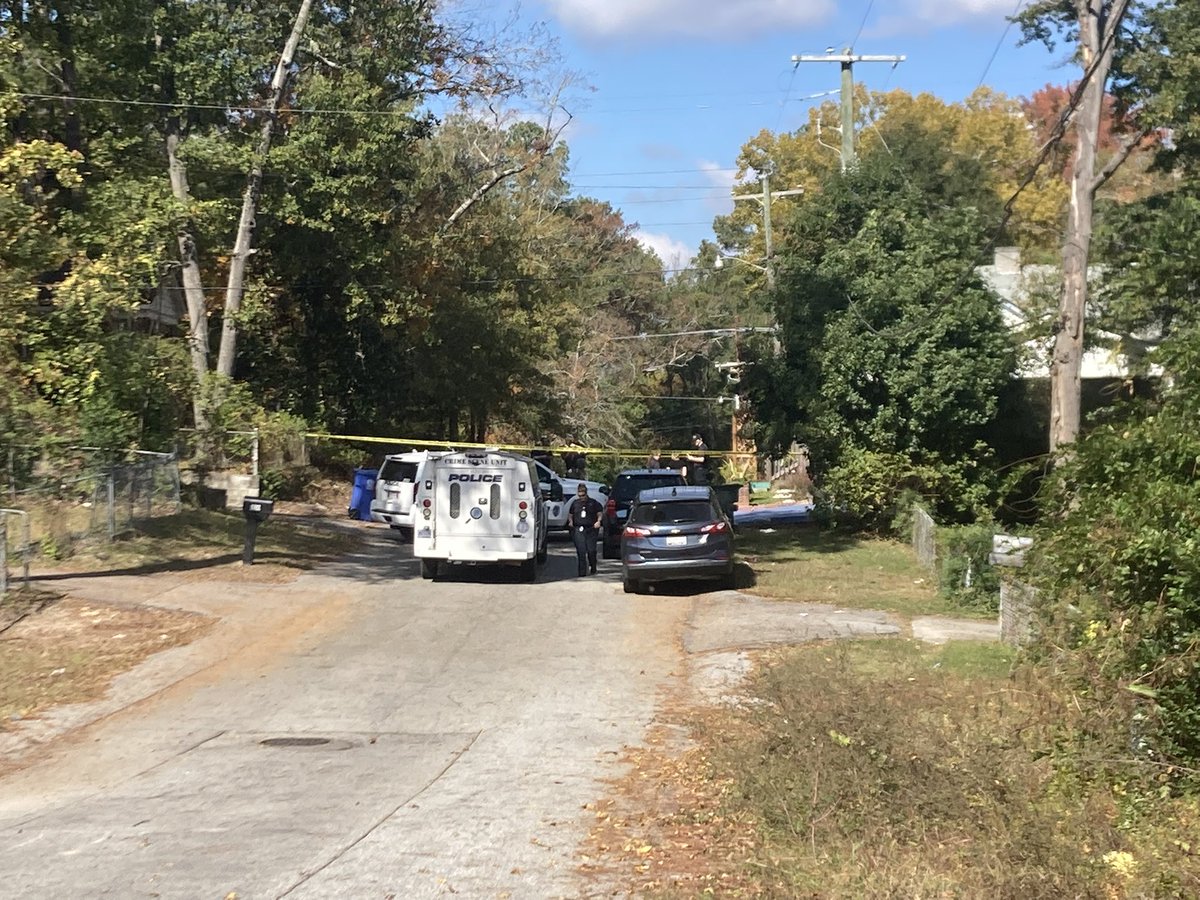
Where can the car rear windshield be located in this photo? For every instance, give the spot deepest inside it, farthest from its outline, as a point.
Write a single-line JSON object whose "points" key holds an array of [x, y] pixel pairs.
{"points": [[672, 512], [395, 470], [627, 486]]}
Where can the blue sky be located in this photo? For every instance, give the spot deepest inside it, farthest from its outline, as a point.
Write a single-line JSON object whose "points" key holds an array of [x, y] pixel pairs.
{"points": [[678, 86]]}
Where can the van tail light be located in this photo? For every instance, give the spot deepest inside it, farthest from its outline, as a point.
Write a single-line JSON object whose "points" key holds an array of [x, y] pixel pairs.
{"points": [[634, 531], [427, 503], [610, 508], [715, 528], [522, 505]]}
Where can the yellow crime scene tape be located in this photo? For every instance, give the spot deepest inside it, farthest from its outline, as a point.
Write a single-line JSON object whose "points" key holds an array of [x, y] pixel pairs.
{"points": [[520, 448]]}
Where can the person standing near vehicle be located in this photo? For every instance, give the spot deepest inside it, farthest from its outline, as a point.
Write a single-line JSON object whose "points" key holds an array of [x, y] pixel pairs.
{"points": [[583, 519], [698, 460]]}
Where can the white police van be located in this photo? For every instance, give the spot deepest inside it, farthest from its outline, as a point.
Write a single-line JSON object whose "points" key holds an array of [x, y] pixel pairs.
{"points": [[479, 506]]}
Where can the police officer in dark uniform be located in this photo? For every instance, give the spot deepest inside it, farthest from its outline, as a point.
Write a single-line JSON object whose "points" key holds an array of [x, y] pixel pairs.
{"points": [[583, 518], [698, 460]]}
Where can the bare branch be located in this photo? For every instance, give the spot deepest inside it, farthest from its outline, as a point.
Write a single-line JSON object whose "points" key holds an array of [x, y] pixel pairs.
{"points": [[1131, 143]]}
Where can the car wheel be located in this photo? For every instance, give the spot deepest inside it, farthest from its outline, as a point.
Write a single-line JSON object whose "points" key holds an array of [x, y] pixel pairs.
{"points": [[429, 568], [544, 551], [631, 586]]}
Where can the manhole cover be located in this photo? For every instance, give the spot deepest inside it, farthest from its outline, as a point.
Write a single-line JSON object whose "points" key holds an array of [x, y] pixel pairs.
{"points": [[303, 742]]}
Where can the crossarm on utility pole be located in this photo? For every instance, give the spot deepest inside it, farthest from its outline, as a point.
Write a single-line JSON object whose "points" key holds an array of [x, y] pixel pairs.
{"points": [[847, 59]]}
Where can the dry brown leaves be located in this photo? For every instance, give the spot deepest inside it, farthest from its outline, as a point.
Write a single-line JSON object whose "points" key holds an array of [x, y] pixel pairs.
{"points": [[663, 831], [71, 651]]}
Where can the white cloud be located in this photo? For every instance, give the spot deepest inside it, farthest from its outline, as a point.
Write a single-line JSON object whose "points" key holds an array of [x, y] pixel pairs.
{"points": [[721, 176], [687, 18], [927, 15], [674, 254]]}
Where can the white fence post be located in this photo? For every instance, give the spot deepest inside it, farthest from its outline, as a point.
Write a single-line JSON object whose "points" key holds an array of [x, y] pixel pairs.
{"points": [[924, 538]]}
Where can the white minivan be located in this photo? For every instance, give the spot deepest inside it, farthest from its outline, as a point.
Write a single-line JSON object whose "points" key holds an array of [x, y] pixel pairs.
{"points": [[394, 489], [479, 506]]}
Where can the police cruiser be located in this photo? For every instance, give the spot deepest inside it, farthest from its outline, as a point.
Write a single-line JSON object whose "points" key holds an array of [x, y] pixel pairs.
{"points": [[476, 507]]}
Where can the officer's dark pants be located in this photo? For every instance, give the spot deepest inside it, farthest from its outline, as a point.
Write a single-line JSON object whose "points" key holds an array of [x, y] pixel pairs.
{"points": [[585, 548]]}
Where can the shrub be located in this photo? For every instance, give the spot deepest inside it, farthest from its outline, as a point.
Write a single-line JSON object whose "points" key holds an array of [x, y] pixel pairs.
{"points": [[289, 483], [1118, 565], [964, 574], [871, 489]]}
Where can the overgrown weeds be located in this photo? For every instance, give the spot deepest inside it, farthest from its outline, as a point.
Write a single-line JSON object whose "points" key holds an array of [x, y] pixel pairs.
{"points": [[886, 769]]}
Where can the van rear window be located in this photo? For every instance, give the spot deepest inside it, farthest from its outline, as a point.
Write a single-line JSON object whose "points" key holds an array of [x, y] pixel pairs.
{"points": [[395, 470]]}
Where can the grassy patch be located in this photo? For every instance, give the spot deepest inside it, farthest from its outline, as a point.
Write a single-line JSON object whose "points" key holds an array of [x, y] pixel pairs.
{"points": [[199, 538], [892, 769], [815, 566]]}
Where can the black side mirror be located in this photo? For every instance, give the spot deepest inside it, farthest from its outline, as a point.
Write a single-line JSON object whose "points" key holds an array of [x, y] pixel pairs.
{"points": [[556, 491]]}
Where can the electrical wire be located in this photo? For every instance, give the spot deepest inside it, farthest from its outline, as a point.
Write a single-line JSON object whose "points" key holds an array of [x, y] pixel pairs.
{"points": [[862, 24], [1003, 36]]}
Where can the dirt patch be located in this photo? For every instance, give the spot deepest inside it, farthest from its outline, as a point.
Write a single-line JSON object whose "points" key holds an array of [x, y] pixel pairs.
{"points": [[71, 650]]}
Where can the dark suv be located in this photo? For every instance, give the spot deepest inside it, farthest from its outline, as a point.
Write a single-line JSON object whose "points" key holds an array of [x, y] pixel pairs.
{"points": [[625, 489]]}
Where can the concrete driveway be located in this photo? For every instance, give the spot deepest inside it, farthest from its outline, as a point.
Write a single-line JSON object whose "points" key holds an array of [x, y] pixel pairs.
{"points": [[363, 733]]}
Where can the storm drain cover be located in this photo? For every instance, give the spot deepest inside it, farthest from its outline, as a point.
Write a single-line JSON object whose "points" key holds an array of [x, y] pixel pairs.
{"points": [[302, 742]]}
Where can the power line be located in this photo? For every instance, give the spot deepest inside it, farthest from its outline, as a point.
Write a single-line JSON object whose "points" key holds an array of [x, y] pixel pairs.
{"points": [[1003, 35], [862, 24], [345, 111], [654, 172]]}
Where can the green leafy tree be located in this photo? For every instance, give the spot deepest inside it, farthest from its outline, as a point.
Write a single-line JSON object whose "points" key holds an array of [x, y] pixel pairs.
{"points": [[891, 345]]}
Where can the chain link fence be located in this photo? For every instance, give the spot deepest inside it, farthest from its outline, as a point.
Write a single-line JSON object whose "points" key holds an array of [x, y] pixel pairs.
{"points": [[57, 499]]}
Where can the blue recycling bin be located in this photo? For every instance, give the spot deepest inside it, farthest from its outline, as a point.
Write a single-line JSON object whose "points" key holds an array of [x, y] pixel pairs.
{"points": [[362, 494]]}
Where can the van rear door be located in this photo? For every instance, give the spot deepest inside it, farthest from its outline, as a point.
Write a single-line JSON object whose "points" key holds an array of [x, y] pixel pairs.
{"points": [[480, 496]]}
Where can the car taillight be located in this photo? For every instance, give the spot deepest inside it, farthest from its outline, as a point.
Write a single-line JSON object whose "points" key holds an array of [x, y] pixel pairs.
{"points": [[714, 528], [634, 531], [522, 505], [610, 508], [427, 503]]}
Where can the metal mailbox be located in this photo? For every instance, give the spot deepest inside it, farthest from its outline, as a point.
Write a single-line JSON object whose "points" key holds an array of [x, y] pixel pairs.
{"points": [[257, 509]]}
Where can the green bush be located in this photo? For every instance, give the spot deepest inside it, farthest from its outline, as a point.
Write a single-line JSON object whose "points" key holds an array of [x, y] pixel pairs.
{"points": [[964, 574], [874, 490], [1118, 565], [289, 483]]}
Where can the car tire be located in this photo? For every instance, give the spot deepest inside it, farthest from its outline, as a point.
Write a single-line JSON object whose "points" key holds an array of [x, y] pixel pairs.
{"points": [[610, 552], [544, 551], [429, 569], [631, 586]]}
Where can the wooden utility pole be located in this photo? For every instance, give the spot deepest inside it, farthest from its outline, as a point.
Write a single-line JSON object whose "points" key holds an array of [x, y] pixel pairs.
{"points": [[847, 58], [764, 199]]}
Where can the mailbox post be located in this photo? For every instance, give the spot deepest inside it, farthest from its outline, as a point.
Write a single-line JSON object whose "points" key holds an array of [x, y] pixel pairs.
{"points": [[256, 510]]}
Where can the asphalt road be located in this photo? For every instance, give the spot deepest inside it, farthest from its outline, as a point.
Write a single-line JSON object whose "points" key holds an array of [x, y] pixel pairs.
{"points": [[362, 733]]}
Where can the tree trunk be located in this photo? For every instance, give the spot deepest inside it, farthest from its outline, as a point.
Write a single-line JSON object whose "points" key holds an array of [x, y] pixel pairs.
{"points": [[245, 233], [193, 289], [1097, 27]]}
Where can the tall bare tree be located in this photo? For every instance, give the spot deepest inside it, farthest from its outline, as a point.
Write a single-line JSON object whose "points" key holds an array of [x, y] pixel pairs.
{"points": [[1096, 26]]}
